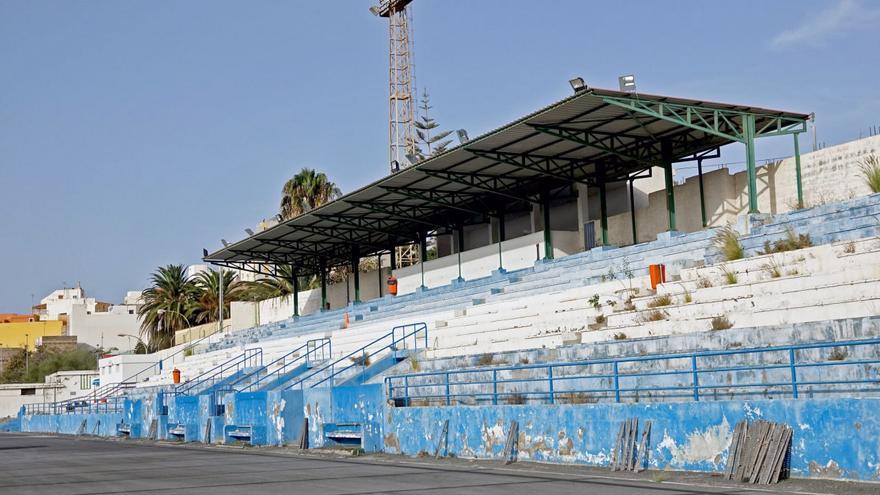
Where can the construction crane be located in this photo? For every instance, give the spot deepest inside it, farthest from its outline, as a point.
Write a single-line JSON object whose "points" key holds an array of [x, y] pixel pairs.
{"points": [[401, 130]]}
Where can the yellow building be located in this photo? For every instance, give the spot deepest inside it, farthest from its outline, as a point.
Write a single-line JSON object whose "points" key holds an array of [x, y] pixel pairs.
{"points": [[15, 334]]}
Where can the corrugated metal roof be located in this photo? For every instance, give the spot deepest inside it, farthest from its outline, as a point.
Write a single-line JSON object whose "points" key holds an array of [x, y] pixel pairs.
{"points": [[503, 168]]}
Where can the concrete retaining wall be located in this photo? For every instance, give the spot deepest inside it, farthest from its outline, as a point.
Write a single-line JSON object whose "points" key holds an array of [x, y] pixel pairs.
{"points": [[832, 438]]}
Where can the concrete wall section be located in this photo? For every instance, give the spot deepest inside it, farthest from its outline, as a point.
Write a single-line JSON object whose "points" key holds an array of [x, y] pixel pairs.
{"points": [[832, 438]]}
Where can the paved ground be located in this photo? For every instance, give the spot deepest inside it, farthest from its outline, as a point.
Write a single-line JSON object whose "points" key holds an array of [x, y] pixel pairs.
{"points": [[36, 464]]}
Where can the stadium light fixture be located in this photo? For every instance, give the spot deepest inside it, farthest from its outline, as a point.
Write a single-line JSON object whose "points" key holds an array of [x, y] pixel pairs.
{"points": [[204, 253], [395, 166], [462, 136], [375, 10], [412, 158], [249, 231], [577, 84], [225, 244], [627, 83]]}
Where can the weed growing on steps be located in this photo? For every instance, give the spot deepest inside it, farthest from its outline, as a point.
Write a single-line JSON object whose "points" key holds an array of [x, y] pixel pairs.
{"points": [[791, 242], [660, 301], [729, 276], [414, 363], [772, 268], [870, 167], [653, 315], [516, 399], [838, 354], [704, 283], [574, 398], [850, 247], [721, 323], [486, 360], [727, 243], [620, 336]]}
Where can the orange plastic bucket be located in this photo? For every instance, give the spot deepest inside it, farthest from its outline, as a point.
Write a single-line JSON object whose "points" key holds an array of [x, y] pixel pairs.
{"points": [[176, 375], [392, 285], [658, 275]]}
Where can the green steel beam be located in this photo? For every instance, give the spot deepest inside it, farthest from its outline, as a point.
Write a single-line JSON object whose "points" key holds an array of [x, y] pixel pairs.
{"points": [[447, 199], [702, 194], [558, 168], [606, 143], [709, 120], [497, 186]]}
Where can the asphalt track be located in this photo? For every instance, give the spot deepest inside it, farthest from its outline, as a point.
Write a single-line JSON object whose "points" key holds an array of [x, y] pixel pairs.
{"points": [[47, 464]]}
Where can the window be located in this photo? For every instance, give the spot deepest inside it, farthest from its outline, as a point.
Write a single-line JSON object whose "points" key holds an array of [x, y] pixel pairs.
{"points": [[28, 391], [85, 382], [131, 311]]}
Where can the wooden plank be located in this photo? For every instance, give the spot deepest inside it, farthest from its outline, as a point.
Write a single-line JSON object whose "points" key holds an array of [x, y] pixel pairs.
{"points": [[621, 460], [786, 448], [154, 427], [208, 430], [643, 448], [753, 443], [442, 441], [304, 435], [618, 443], [632, 450], [762, 453], [732, 451], [510, 446]]}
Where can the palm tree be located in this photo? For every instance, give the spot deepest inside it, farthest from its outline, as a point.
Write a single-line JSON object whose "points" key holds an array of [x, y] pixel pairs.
{"points": [[207, 295], [167, 306], [276, 286], [306, 191]]}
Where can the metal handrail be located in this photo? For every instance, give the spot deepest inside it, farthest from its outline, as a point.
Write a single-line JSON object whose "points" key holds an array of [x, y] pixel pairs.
{"points": [[312, 348], [407, 387], [249, 358], [103, 394], [363, 354]]}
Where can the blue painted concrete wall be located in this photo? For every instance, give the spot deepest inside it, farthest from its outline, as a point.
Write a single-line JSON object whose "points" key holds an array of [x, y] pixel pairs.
{"points": [[100, 424], [832, 438]]}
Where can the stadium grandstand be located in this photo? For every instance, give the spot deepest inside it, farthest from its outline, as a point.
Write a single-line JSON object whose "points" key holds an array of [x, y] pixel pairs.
{"points": [[576, 286]]}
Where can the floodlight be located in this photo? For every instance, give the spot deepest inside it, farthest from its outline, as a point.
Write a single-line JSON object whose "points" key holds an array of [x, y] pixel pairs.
{"points": [[627, 83], [375, 10], [412, 158], [577, 84], [249, 231], [462, 136], [225, 244], [204, 253], [395, 166]]}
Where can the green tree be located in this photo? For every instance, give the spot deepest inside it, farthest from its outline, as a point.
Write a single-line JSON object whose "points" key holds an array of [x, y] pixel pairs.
{"points": [[167, 306], [277, 286], [428, 140], [43, 362], [206, 300], [306, 191]]}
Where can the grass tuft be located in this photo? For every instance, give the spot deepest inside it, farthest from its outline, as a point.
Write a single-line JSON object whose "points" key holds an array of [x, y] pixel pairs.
{"points": [[660, 301], [870, 167], [721, 323], [654, 315], [727, 242]]}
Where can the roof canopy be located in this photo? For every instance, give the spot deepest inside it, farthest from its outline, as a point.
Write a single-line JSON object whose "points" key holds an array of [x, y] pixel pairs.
{"points": [[595, 136]]}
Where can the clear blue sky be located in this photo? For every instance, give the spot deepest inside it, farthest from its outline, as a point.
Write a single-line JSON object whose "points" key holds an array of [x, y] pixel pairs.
{"points": [[134, 133]]}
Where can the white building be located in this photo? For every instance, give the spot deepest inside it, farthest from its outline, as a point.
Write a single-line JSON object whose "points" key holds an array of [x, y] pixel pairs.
{"points": [[99, 324]]}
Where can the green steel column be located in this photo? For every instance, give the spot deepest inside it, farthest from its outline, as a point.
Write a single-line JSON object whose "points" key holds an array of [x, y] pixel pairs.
{"points": [[355, 269], [603, 209], [323, 284], [797, 170], [379, 271], [500, 238], [392, 254], [749, 132], [548, 236], [632, 210], [702, 197], [460, 248], [423, 254], [295, 292], [666, 150]]}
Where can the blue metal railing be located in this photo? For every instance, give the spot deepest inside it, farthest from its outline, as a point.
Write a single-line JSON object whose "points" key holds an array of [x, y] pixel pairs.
{"points": [[400, 337], [778, 371], [110, 397], [250, 358], [313, 351]]}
